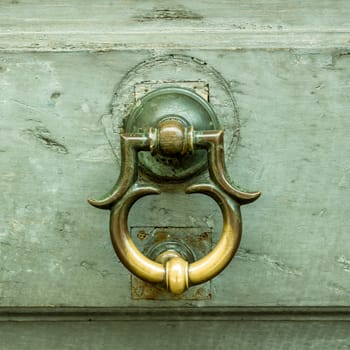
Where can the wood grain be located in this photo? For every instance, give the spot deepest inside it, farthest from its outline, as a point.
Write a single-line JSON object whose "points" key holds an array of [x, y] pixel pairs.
{"points": [[120, 25], [55, 248], [175, 335]]}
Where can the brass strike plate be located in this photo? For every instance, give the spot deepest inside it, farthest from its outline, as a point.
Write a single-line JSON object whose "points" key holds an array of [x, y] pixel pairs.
{"points": [[198, 242]]}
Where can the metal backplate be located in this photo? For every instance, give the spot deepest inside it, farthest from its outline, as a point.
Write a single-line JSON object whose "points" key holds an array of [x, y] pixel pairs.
{"points": [[188, 103], [196, 242]]}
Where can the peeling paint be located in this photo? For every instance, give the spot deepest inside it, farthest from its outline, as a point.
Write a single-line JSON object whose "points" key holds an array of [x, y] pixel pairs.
{"points": [[55, 95], [345, 263], [178, 13]]}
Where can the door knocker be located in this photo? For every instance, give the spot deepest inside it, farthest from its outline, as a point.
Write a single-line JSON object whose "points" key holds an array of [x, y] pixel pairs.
{"points": [[173, 123]]}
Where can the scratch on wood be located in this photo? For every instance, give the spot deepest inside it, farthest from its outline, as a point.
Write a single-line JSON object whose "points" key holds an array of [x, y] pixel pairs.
{"points": [[32, 108], [247, 254], [91, 265], [44, 136], [54, 97], [345, 263], [320, 213], [338, 289]]}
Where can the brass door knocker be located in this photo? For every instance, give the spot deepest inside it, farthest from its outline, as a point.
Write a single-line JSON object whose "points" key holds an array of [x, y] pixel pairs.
{"points": [[173, 123]]}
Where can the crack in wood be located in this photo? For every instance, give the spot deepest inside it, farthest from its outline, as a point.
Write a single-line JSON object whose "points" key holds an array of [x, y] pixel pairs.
{"points": [[61, 314], [44, 136]]}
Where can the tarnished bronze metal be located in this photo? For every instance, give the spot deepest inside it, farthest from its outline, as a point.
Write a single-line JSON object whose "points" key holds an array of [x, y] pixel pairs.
{"points": [[167, 255], [161, 243], [176, 275], [176, 104], [173, 136]]}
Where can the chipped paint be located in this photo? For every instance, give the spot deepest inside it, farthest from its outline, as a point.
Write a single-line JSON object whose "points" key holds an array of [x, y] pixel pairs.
{"points": [[43, 135], [175, 13], [344, 262]]}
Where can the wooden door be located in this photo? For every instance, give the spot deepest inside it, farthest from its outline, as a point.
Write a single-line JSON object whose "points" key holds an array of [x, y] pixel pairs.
{"points": [[68, 70]]}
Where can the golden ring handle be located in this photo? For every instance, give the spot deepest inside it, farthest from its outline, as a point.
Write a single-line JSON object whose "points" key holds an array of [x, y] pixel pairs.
{"points": [[176, 273]]}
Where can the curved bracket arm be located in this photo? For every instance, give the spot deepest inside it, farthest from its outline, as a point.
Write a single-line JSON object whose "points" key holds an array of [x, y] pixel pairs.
{"points": [[176, 273]]}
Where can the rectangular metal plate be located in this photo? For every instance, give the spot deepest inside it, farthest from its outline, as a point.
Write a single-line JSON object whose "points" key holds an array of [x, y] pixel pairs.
{"points": [[201, 87], [197, 239]]}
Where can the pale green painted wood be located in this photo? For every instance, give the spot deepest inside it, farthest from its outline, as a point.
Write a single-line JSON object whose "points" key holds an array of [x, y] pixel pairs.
{"points": [[175, 335], [288, 65], [55, 248], [157, 25]]}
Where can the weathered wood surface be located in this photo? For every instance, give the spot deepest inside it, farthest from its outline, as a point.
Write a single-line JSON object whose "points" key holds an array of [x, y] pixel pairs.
{"points": [[288, 65], [175, 335], [157, 25], [293, 108]]}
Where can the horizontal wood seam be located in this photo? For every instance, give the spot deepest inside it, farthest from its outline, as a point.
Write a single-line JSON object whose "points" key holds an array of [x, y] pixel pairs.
{"points": [[210, 40], [61, 314]]}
